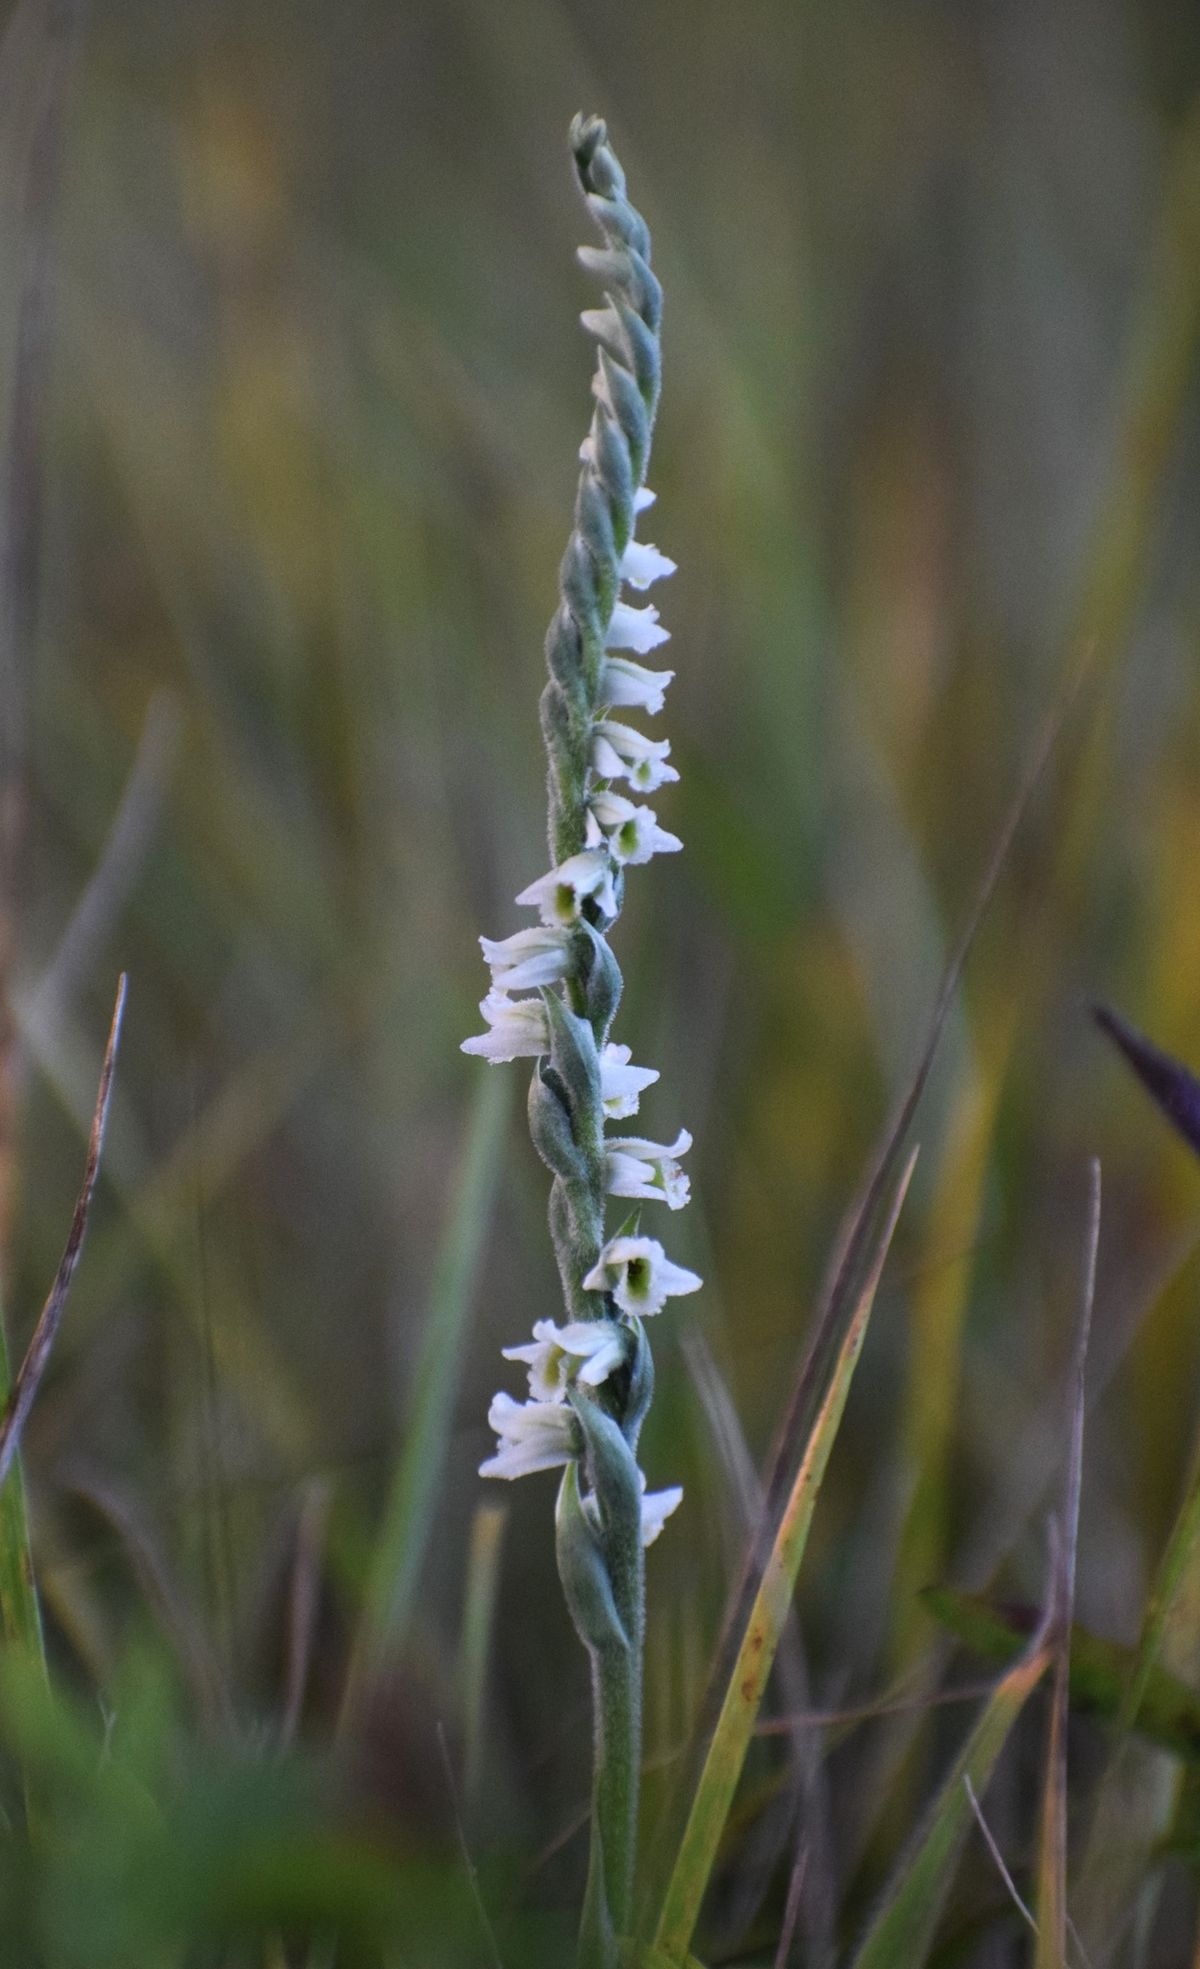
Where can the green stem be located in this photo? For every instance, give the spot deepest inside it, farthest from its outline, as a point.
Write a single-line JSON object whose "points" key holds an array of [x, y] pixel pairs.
{"points": [[616, 1777], [617, 1713], [602, 1567]]}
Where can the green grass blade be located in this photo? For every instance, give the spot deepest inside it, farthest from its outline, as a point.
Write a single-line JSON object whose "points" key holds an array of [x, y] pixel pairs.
{"points": [[1051, 1926], [20, 1616], [1180, 1565], [412, 1504], [479, 1612], [752, 1666], [1169, 1712], [902, 1932], [941, 1297]]}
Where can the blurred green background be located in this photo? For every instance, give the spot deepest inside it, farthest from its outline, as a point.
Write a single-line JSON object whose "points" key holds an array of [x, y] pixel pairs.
{"points": [[292, 485]]}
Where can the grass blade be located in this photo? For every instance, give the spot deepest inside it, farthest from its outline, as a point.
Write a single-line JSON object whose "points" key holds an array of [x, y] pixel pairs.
{"points": [[19, 1614], [850, 1259], [752, 1665], [20, 1617], [479, 1611], [849, 1262], [37, 1356], [1051, 1949], [902, 1931], [1169, 1712], [411, 1506]]}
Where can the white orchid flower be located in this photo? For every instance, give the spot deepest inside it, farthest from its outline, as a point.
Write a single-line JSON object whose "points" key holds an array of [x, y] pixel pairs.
{"points": [[642, 564], [527, 958], [619, 752], [518, 1029], [585, 1351], [637, 1168], [637, 629], [533, 1436], [620, 1083], [640, 1276], [560, 894], [657, 1506], [632, 833], [606, 325], [624, 682]]}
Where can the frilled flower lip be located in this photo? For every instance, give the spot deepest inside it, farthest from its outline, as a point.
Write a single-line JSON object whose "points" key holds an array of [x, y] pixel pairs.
{"points": [[640, 1276], [649, 1170], [586, 1351], [560, 894], [620, 752], [528, 958], [518, 1029], [642, 565], [657, 1506], [632, 834], [637, 629], [629, 685], [533, 1436], [621, 1084]]}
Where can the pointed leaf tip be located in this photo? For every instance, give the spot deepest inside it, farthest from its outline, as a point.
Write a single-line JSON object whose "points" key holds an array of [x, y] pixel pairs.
{"points": [[1171, 1085]]}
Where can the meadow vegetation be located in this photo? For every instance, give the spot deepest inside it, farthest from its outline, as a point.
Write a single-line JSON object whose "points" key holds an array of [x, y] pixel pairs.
{"points": [[293, 390]]}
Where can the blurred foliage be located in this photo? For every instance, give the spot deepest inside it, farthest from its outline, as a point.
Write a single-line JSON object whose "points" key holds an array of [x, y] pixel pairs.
{"points": [[296, 491]]}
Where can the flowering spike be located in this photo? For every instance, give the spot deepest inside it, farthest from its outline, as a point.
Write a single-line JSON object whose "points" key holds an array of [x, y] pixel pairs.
{"points": [[591, 1376]]}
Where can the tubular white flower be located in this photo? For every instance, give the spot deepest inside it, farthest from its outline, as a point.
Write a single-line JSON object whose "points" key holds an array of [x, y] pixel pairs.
{"points": [[606, 325], [533, 1436], [637, 629], [527, 958], [642, 564], [559, 894], [585, 1351], [620, 1083], [624, 682], [642, 498], [633, 833], [518, 1029], [637, 1168], [657, 1506], [640, 1276], [619, 752]]}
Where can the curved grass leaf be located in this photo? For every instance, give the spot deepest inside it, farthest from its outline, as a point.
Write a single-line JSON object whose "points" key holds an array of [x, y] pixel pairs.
{"points": [[902, 1932], [1169, 1711], [752, 1665]]}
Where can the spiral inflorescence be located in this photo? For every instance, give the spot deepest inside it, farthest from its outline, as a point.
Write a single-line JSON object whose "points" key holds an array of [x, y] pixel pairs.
{"points": [[555, 993]]}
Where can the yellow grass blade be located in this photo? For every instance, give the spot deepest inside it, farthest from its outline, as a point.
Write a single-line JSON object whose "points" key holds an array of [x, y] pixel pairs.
{"points": [[744, 1693]]}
